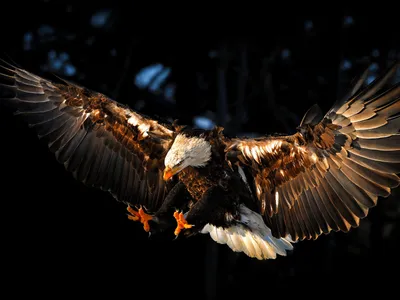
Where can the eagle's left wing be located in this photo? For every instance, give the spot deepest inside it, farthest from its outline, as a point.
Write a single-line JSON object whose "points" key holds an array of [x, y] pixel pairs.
{"points": [[327, 175]]}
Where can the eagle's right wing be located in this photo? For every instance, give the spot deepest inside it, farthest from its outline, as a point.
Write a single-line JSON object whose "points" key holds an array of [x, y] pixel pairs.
{"points": [[329, 173], [103, 143]]}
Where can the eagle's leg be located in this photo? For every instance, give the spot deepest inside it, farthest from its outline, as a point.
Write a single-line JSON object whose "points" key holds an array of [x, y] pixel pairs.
{"points": [[211, 208], [141, 216], [181, 221], [177, 198]]}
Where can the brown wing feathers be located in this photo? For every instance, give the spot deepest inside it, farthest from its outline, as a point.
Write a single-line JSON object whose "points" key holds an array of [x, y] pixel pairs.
{"points": [[103, 143], [328, 175]]}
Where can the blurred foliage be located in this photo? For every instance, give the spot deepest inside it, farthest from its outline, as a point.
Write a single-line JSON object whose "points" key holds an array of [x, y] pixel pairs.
{"points": [[256, 84]]}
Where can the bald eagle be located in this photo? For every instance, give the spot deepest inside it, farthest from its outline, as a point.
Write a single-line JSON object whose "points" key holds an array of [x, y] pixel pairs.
{"points": [[257, 195]]}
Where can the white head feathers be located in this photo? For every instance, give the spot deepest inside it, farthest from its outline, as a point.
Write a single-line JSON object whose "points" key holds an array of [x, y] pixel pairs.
{"points": [[188, 151]]}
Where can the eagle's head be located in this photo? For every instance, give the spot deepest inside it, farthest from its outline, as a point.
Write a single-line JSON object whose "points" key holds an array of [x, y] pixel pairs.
{"points": [[186, 151]]}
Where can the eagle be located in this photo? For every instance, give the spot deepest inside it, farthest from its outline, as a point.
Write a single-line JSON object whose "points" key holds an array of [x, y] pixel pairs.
{"points": [[257, 195]]}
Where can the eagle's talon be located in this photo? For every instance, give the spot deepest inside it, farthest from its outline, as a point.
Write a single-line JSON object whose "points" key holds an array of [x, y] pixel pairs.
{"points": [[182, 223], [141, 216]]}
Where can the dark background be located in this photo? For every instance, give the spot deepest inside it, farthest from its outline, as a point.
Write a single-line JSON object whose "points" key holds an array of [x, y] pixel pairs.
{"points": [[60, 238]]}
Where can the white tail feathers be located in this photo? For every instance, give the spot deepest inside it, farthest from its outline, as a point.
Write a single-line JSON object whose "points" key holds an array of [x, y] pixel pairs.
{"points": [[250, 236]]}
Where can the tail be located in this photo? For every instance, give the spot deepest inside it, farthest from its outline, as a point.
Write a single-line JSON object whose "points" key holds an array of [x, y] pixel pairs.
{"points": [[250, 236]]}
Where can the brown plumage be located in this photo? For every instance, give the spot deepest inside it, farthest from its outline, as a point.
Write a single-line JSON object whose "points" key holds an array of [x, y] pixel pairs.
{"points": [[328, 175], [256, 195], [101, 141]]}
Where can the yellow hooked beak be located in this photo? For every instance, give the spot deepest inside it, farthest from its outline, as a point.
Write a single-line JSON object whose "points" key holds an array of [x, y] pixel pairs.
{"points": [[169, 172]]}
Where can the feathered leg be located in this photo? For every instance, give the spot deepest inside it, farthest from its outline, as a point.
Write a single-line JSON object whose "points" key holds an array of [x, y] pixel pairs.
{"points": [[214, 207], [177, 198]]}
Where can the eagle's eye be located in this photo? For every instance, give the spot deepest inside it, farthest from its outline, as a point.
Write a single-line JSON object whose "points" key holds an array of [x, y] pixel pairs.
{"points": [[179, 163]]}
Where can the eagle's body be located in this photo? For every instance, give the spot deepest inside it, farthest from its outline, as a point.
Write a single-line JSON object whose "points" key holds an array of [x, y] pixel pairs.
{"points": [[214, 190], [256, 195]]}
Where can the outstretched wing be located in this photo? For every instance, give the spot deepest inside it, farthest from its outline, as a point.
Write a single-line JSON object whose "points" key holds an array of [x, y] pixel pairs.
{"points": [[327, 175], [102, 142]]}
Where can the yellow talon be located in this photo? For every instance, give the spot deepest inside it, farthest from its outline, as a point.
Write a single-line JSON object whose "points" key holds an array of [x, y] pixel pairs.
{"points": [[182, 223], [141, 216]]}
